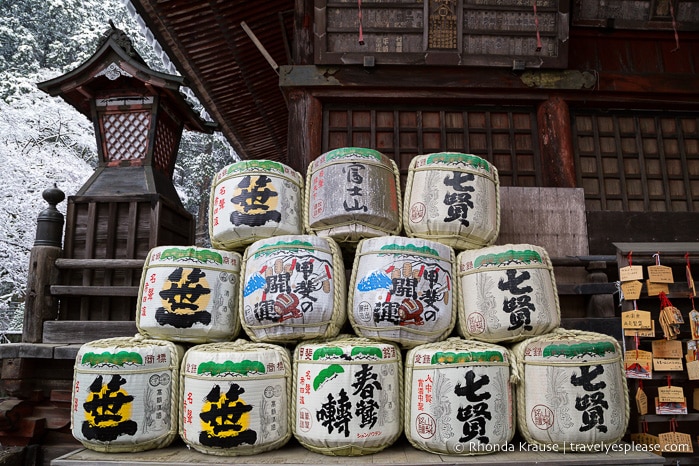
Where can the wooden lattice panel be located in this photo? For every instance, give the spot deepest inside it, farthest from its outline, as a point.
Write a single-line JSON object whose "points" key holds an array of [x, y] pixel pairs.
{"points": [[166, 140], [507, 138], [125, 135], [638, 162]]}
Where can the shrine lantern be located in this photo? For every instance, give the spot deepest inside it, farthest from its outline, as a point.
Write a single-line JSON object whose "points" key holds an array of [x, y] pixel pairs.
{"points": [[129, 205]]}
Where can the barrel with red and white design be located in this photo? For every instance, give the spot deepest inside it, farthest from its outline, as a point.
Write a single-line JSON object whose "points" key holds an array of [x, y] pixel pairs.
{"points": [[402, 290], [293, 289]]}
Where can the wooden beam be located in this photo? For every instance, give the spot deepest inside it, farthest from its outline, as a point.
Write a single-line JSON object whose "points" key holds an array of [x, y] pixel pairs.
{"points": [[68, 290], [99, 263], [73, 331]]}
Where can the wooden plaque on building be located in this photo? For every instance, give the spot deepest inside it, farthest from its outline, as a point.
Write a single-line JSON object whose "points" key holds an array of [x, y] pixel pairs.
{"points": [[638, 14], [502, 33]]}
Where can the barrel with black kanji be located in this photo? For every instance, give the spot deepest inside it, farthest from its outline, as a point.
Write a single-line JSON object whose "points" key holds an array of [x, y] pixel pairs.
{"points": [[353, 193], [189, 294], [254, 199], [460, 397], [453, 198], [506, 293], [573, 390], [125, 394], [403, 290], [347, 397], [293, 289], [235, 398]]}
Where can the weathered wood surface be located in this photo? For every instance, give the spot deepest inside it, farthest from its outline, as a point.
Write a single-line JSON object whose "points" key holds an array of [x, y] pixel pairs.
{"points": [[38, 351], [489, 33], [68, 332], [40, 305], [553, 218], [99, 263], [87, 290], [607, 228], [637, 14], [399, 453], [556, 144]]}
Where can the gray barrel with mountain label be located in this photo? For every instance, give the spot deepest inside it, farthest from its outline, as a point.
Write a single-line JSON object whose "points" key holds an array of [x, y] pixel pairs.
{"points": [[353, 193]]}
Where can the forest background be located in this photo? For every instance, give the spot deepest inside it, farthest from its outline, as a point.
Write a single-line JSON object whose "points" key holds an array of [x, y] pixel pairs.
{"points": [[44, 141]]}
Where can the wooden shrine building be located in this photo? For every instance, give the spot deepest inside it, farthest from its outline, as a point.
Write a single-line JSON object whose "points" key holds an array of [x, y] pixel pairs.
{"points": [[129, 205], [588, 109], [555, 93]]}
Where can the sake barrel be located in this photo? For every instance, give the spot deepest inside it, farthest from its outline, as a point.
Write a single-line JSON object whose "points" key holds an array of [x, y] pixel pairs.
{"points": [[459, 397], [189, 294], [254, 199], [453, 198], [125, 393], [402, 290], [235, 398], [293, 289], [506, 293], [573, 391], [353, 193], [347, 395]]}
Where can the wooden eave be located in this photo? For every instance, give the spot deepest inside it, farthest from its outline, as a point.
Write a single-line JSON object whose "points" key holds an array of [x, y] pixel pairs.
{"points": [[226, 70], [76, 88]]}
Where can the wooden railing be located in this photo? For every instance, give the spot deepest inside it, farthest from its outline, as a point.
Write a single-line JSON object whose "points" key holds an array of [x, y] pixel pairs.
{"points": [[97, 290]]}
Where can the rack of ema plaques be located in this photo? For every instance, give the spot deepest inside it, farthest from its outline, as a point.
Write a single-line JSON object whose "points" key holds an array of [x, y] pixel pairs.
{"points": [[438, 335], [660, 326]]}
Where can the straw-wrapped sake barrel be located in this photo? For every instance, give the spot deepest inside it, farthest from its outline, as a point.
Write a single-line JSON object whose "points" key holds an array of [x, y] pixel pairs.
{"points": [[459, 397], [293, 289], [254, 199], [235, 398], [125, 394], [347, 395], [573, 391], [453, 198], [353, 193], [402, 290], [507, 293], [189, 294]]}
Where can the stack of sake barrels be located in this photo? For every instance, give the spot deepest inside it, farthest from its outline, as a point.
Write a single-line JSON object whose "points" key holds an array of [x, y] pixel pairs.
{"points": [[266, 335]]}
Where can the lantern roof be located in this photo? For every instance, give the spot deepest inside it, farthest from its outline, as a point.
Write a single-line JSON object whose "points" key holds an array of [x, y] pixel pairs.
{"points": [[117, 70]]}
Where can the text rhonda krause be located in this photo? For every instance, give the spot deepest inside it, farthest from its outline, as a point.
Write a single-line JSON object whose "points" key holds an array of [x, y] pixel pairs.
{"points": [[572, 447]]}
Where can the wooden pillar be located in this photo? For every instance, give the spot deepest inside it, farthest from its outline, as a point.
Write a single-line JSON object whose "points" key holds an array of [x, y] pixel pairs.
{"points": [[302, 49], [39, 305], [556, 143], [305, 129]]}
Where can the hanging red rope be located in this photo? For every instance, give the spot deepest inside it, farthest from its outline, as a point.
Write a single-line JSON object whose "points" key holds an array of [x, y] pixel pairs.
{"points": [[538, 34], [359, 17], [674, 27]]}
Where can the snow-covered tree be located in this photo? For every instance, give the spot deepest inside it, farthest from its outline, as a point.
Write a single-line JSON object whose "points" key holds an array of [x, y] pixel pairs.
{"points": [[44, 141]]}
